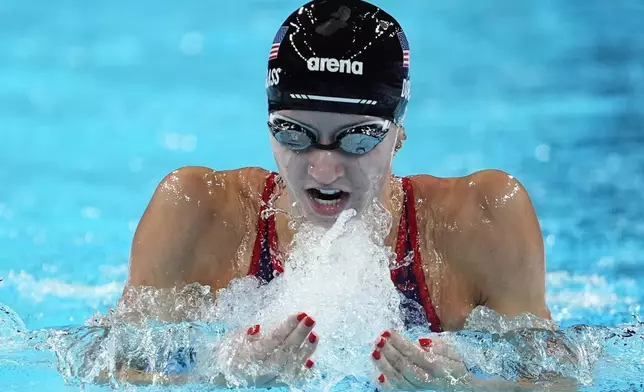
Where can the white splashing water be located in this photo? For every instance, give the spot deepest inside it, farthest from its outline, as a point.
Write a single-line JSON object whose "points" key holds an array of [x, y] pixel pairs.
{"points": [[341, 278]]}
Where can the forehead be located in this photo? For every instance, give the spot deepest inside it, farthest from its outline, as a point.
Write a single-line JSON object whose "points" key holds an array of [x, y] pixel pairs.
{"points": [[325, 120]]}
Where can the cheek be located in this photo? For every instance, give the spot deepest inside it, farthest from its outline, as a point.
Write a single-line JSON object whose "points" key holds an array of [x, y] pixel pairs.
{"points": [[374, 165], [366, 174], [286, 159], [293, 169], [378, 161]]}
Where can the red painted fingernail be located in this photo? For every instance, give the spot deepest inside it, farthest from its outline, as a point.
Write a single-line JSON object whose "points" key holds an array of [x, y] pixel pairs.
{"points": [[308, 321], [386, 334], [309, 364], [381, 343], [425, 342], [253, 330], [381, 378], [313, 337], [376, 355], [301, 316]]}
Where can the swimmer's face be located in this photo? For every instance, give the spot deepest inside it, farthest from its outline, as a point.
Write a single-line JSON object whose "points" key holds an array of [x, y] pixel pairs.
{"points": [[325, 182]]}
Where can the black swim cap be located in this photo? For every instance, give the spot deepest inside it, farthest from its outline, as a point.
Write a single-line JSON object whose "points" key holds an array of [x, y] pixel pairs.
{"points": [[340, 56]]}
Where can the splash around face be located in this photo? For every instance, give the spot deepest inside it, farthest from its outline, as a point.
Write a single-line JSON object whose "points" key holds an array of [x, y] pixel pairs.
{"points": [[322, 182]]}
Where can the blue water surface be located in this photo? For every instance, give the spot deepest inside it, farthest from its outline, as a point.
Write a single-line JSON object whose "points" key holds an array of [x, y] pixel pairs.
{"points": [[99, 100]]}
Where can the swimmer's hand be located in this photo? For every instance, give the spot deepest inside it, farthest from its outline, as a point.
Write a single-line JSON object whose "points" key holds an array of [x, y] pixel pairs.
{"points": [[435, 364], [409, 366], [256, 359]]}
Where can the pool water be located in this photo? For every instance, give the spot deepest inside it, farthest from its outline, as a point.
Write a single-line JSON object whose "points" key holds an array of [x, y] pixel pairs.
{"points": [[98, 101]]}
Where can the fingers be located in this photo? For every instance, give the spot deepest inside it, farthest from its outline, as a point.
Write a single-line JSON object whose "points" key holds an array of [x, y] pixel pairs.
{"points": [[438, 346], [404, 365], [308, 348], [280, 333], [285, 351], [384, 383], [417, 363], [253, 333], [297, 358], [298, 373], [400, 348], [291, 343], [298, 347], [432, 354], [301, 332], [283, 331], [302, 366], [392, 377], [444, 357]]}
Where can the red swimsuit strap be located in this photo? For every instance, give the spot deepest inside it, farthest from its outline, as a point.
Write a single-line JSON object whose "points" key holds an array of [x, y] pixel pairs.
{"points": [[408, 229], [266, 225]]}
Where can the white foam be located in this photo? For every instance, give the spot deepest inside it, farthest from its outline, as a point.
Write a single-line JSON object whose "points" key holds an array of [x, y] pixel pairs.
{"points": [[341, 278]]}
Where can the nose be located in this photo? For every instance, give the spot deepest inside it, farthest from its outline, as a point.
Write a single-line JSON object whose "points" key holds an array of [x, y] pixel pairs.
{"points": [[325, 166]]}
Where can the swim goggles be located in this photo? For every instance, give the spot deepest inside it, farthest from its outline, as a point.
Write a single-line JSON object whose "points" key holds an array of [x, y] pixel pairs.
{"points": [[356, 139]]}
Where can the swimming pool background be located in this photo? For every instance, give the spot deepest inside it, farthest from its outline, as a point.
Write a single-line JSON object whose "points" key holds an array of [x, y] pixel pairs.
{"points": [[98, 101]]}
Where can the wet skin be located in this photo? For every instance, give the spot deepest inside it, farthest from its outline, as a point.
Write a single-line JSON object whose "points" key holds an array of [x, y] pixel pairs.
{"points": [[480, 240]]}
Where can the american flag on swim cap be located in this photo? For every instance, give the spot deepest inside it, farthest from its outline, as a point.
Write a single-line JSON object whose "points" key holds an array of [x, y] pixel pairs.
{"points": [[281, 33], [404, 44]]}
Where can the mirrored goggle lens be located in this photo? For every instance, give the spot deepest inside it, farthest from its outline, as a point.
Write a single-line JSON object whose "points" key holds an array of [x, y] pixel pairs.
{"points": [[355, 140], [362, 139], [357, 143], [291, 135]]}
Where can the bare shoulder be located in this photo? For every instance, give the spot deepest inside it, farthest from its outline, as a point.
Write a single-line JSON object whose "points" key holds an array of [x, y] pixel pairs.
{"points": [[194, 219], [208, 188], [486, 206], [487, 228], [479, 194], [497, 191], [205, 194]]}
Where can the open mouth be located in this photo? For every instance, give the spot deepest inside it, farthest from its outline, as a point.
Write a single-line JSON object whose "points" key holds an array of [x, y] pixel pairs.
{"points": [[327, 201]]}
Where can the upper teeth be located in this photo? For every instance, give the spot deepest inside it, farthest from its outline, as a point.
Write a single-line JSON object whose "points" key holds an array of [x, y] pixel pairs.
{"points": [[329, 191]]}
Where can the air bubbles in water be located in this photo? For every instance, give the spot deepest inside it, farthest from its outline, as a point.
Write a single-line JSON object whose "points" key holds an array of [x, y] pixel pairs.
{"points": [[528, 348]]}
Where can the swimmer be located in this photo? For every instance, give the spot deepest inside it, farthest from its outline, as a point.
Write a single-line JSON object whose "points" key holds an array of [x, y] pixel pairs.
{"points": [[338, 84]]}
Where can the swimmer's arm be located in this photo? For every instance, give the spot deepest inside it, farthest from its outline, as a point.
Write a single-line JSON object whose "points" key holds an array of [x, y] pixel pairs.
{"points": [[506, 255], [165, 243], [165, 249], [131, 371], [142, 378], [185, 235]]}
